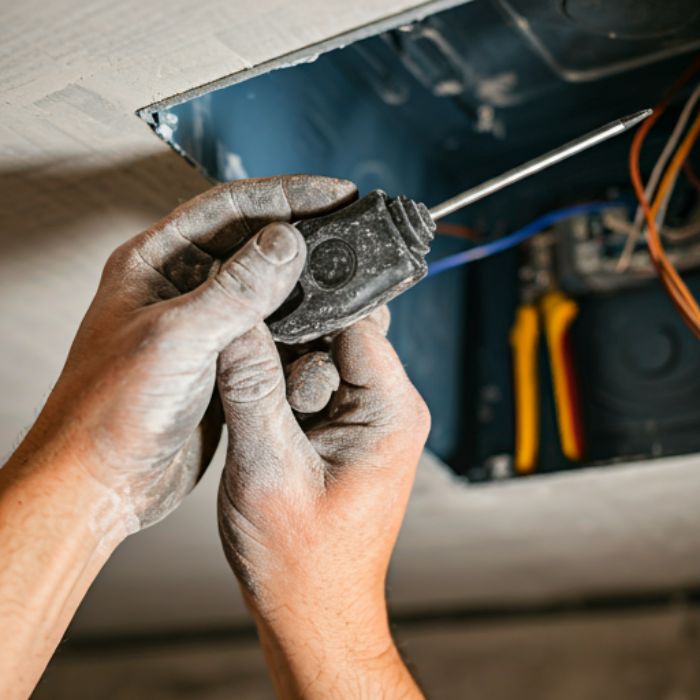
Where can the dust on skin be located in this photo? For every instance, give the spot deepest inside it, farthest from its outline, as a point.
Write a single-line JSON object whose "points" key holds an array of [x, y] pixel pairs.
{"points": [[313, 377], [283, 476], [134, 394], [311, 380]]}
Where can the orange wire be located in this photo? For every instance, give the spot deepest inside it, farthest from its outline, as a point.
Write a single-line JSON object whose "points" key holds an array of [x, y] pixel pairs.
{"points": [[674, 285], [675, 165], [639, 192], [457, 230], [666, 183]]}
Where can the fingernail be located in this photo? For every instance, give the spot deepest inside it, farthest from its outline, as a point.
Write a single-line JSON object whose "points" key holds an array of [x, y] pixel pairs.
{"points": [[278, 243]]}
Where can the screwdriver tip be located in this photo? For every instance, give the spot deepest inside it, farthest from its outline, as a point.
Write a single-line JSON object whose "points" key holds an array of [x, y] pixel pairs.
{"points": [[633, 119]]}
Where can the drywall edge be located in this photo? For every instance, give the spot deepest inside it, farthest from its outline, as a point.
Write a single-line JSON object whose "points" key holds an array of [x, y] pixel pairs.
{"points": [[304, 55]]}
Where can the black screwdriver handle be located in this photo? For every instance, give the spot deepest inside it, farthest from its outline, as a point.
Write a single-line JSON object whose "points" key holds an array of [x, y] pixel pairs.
{"points": [[358, 258]]}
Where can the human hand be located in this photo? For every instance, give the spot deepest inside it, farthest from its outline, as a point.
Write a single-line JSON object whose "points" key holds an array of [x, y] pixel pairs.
{"points": [[310, 509], [132, 401]]}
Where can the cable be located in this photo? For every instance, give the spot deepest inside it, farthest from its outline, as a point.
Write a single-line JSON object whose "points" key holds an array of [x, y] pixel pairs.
{"points": [[456, 230], [676, 164], [672, 282], [655, 176], [534, 227], [667, 274], [683, 233], [654, 239], [664, 204], [692, 176], [673, 234]]}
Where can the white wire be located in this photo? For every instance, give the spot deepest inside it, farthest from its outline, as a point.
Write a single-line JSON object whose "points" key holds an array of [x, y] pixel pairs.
{"points": [[684, 233], [621, 224], [656, 173], [663, 207], [681, 233]]}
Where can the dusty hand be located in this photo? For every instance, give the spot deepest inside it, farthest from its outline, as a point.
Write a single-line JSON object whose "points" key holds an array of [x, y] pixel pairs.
{"points": [[132, 399], [309, 511]]}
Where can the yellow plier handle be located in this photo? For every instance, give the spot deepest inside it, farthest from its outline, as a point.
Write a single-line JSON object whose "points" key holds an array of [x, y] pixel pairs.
{"points": [[558, 313], [524, 340]]}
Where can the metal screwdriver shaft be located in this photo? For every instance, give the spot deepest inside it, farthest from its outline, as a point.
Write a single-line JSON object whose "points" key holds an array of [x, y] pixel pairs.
{"points": [[542, 162], [372, 250]]}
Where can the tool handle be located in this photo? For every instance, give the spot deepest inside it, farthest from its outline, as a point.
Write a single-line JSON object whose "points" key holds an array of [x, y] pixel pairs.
{"points": [[559, 312], [524, 340], [358, 258]]}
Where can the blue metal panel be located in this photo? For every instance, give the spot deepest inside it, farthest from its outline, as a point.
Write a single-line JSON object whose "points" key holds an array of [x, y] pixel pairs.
{"points": [[426, 114]]}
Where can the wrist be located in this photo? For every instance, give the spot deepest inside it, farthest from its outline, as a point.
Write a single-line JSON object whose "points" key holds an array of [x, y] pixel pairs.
{"points": [[330, 649], [333, 603], [52, 482], [311, 660], [354, 632], [55, 535]]}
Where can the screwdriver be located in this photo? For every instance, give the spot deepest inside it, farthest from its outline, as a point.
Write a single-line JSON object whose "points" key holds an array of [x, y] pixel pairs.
{"points": [[372, 250]]}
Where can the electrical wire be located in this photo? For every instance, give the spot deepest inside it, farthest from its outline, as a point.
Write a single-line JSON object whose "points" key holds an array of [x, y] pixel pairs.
{"points": [[667, 274], [456, 230], [504, 243], [663, 192], [672, 233], [692, 176], [682, 233], [673, 139], [674, 285], [664, 204], [677, 290], [676, 164]]}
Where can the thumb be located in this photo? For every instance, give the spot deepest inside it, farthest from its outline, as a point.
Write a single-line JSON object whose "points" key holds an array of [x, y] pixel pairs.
{"points": [[246, 288]]}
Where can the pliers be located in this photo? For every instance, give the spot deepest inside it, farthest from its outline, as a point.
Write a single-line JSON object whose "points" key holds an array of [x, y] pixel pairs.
{"points": [[544, 305]]}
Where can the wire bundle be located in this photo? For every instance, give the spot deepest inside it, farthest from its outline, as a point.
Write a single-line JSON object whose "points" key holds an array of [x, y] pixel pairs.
{"points": [[540, 224], [635, 231], [676, 288], [653, 212]]}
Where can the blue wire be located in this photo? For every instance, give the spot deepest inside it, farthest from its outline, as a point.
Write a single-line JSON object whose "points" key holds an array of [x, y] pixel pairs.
{"points": [[534, 227]]}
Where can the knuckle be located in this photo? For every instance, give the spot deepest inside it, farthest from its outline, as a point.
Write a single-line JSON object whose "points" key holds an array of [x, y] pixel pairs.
{"points": [[117, 260], [416, 414], [238, 291], [250, 380], [255, 287], [423, 419], [128, 255], [248, 281], [240, 280]]}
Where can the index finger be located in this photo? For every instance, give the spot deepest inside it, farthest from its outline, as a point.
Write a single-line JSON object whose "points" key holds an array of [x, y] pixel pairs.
{"points": [[366, 359], [220, 219]]}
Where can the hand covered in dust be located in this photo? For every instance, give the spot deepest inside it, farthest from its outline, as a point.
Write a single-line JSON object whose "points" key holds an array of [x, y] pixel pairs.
{"points": [[310, 507], [134, 400]]}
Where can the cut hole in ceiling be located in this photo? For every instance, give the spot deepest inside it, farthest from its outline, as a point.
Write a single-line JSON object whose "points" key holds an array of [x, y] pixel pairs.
{"points": [[427, 108]]}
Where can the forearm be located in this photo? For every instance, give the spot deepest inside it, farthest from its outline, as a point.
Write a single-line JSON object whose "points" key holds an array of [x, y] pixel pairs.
{"points": [[314, 656], [57, 529]]}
